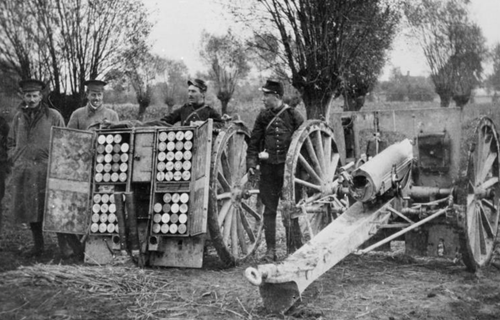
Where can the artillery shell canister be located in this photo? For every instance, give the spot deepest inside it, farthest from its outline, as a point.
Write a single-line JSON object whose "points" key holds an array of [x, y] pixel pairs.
{"points": [[169, 166], [111, 216], [111, 228], [105, 198], [160, 176], [162, 156], [103, 217], [179, 155], [188, 135], [174, 208], [188, 145], [173, 228], [96, 208], [104, 207], [95, 217], [184, 197], [183, 218], [179, 135], [171, 136], [162, 146], [99, 167], [171, 146], [178, 165], [123, 167], [186, 175], [111, 198], [166, 207], [165, 218], [100, 149], [157, 218], [160, 166], [187, 155], [176, 197], [162, 136], [182, 228], [177, 175], [169, 175], [164, 228], [124, 157], [107, 167], [108, 158], [114, 177], [117, 148], [98, 177], [94, 227], [106, 177], [174, 217], [101, 139], [183, 208], [115, 167], [156, 228], [116, 157], [179, 145], [103, 227], [99, 158], [123, 177], [109, 138], [157, 207], [186, 165], [167, 197], [125, 147], [117, 138], [170, 155], [112, 207], [97, 198], [108, 148]]}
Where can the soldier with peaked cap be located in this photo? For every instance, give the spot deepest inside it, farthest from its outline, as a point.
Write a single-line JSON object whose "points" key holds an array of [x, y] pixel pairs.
{"points": [[94, 112], [28, 144], [195, 109], [269, 142]]}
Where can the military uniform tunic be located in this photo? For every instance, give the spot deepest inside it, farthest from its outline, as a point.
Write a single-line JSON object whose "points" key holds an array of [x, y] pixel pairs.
{"points": [[188, 113], [85, 116]]}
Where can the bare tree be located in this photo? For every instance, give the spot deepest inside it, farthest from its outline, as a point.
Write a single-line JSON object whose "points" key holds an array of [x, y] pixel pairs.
{"points": [[454, 47], [227, 59], [324, 43]]}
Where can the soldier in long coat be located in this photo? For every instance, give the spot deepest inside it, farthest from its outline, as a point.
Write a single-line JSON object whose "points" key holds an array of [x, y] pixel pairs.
{"points": [[94, 112], [195, 110], [272, 133], [28, 143]]}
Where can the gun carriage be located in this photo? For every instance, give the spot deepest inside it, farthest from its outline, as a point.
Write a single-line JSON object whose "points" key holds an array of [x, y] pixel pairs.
{"points": [[414, 184]]}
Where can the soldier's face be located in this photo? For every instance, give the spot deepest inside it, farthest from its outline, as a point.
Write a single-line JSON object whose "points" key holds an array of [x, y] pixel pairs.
{"points": [[195, 96], [270, 100], [95, 98], [32, 98]]}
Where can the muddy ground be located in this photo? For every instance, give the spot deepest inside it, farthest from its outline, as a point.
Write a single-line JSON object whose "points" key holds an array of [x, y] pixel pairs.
{"points": [[383, 285]]}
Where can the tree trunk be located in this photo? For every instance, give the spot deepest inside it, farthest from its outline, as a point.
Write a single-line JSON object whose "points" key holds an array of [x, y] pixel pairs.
{"points": [[224, 103], [316, 103], [142, 110], [352, 103], [445, 99]]}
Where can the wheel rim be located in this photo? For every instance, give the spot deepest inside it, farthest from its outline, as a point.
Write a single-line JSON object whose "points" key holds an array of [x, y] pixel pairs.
{"points": [[481, 222], [309, 188], [235, 219]]}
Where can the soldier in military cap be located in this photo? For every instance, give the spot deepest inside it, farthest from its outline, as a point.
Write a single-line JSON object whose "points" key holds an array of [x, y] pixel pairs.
{"points": [[268, 146], [28, 144], [94, 112], [195, 110]]}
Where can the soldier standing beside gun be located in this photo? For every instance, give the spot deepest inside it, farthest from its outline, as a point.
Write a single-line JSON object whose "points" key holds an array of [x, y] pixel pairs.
{"points": [[94, 112], [28, 143], [269, 143], [196, 110]]}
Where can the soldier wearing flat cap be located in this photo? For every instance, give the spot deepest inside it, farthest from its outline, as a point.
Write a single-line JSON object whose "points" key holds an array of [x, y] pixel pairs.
{"points": [[269, 142], [28, 144], [195, 110], [94, 112]]}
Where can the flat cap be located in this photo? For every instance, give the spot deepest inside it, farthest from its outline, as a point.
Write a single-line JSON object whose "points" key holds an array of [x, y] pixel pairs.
{"points": [[200, 84], [273, 86], [95, 85], [28, 85]]}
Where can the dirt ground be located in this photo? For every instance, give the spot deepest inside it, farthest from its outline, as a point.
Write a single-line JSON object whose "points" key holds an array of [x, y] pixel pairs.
{"points": [[383, 285]]}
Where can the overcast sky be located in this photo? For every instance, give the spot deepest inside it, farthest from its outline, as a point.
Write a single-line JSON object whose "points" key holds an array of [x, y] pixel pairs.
{"points": [[179, 24]]}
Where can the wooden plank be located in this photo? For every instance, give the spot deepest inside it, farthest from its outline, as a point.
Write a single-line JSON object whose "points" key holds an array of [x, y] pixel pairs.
{"points": [[71, 154], [143, 157]]}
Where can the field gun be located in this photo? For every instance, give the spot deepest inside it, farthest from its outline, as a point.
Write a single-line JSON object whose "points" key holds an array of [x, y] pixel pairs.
{"points": [[387, 199]]}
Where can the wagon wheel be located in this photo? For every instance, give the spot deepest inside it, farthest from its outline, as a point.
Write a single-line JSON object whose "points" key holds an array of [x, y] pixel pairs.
{"points": [[483, 192], [235, 217], [310, 199]]}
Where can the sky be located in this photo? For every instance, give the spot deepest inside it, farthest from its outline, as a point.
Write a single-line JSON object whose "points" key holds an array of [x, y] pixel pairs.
{"points": [[179, 24]]}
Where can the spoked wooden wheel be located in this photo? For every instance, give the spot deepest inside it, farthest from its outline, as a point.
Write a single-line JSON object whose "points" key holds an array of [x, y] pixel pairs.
{"points": [[310, 201], [481, 221], [235, 216]]}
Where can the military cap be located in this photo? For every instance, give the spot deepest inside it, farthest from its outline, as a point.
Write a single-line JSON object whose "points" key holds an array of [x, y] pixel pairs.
{"points": [[200, 84], [28, 85], [273, 86], [95, 85]]}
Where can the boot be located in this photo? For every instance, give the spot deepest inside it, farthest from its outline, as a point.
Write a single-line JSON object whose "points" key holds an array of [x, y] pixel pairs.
{"points": [[36, 230], [270, 235]]}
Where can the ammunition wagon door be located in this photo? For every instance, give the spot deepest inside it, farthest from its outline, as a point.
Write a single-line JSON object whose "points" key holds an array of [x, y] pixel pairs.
{"points": [[143, 156], [67, 199], [201, 178]]}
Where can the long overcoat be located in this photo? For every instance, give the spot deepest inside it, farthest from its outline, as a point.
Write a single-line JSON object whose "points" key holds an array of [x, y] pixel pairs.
{"points": [[28, 142]]}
